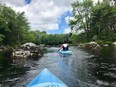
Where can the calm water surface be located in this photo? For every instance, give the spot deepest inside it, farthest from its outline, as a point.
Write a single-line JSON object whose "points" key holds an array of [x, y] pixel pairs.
{"points": [[81, 69]]}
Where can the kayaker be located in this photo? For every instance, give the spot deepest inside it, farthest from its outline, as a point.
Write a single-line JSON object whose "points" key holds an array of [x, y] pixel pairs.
{"points": [[64, 46]]}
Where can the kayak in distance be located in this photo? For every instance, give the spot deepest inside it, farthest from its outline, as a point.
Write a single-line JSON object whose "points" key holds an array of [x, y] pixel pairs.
{"points": [[46, 79], [68, 52]]}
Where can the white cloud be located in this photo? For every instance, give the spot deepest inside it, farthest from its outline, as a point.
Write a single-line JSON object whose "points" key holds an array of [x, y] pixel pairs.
{"points": [[45, 27], [97, 1], [42, 14], [13, 2], [67, 19], [67, 30]]}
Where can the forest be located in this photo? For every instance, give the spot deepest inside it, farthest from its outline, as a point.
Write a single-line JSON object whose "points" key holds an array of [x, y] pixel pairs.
{"points": [[97, 21]]}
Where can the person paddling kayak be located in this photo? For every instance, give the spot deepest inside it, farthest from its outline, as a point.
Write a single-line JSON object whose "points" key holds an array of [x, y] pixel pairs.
{"points": [[64, 49], [64, 46]]}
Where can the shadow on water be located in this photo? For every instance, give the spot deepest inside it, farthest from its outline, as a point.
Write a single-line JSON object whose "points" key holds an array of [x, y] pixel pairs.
{"points": [[5, 58], [9, 73], [103, 66]]}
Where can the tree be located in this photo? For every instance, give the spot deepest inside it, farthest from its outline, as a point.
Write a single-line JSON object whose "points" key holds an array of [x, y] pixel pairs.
{"points": [[13, 26], [103, 21], [97, 20], [82, 14]]}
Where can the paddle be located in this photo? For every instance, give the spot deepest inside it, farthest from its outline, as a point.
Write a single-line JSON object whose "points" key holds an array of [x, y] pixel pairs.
{"points": [[58, 50]]}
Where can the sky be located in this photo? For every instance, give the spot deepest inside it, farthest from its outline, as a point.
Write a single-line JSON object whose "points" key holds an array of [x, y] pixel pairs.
{"points": [[45, 15]]}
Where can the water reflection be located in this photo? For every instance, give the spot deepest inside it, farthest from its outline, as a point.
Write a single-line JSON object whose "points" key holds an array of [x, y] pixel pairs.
{"points": [[104, 67], [9, 73], [5, 58], [81, 69]]}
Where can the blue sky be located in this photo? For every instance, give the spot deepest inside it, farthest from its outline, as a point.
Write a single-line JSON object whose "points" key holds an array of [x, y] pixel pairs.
{"points": [[27, 1], [44, 15], [62, 24]]}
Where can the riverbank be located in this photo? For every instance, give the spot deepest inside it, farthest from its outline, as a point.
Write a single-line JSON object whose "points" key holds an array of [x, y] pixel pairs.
{"points": [[98, 44], [19, 55]]}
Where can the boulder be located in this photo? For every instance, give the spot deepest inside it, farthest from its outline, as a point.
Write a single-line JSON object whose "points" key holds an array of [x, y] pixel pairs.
{"points": [[114, 48], [30, 44], [92, 46], [21, 53], [24, 52], [114, 44]]}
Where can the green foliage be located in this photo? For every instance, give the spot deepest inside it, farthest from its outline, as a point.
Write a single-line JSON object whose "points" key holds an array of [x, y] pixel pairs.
{"points": [[82, 12], [100, 42], [13, 26], [1, 37], [95, 19], [101, 27], [47, 39], [108, 42], [78, 38]]}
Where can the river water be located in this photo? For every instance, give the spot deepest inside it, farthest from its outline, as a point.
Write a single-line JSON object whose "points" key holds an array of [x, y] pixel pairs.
{"points": [[81, 69]]}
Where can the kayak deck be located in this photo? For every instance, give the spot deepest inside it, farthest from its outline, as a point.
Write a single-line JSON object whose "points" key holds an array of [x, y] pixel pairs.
{"points": [[65, 52], [46, 79]]}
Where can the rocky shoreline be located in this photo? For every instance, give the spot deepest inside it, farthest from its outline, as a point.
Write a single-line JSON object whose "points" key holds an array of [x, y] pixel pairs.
{"points": [[23, 53], [27, 52]]}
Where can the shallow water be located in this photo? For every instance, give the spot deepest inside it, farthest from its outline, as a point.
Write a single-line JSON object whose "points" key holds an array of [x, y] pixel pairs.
{"points": [[81, 69]]}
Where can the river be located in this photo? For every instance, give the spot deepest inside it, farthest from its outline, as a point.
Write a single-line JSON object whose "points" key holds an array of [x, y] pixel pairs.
{"points": [[81, 69]]}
